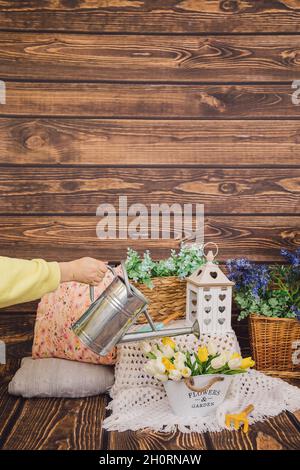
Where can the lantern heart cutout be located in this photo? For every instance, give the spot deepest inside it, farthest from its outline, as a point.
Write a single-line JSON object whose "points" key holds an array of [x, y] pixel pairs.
{"points": [[221, 320], [221, 309], [207, 309], [213, 274], [207, 321], [222, 297], [194, 302], [207, 298]]}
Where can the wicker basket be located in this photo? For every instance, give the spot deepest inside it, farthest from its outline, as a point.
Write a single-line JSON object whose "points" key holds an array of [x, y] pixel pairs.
{"points": [[272, 342], [166, 297]]}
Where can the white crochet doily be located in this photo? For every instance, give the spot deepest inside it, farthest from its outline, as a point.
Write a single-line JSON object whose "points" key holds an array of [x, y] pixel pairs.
{"points": [[139, 401]]}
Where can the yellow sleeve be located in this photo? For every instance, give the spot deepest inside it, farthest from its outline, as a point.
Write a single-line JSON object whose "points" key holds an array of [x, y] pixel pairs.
{"points": [[23, 280]]}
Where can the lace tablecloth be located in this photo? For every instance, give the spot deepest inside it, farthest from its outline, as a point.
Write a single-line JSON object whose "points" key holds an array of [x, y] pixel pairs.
{"points": [[139, 401]]}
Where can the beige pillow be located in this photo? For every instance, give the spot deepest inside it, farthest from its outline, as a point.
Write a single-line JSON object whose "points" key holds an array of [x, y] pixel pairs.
{"points": [[60, 378]]}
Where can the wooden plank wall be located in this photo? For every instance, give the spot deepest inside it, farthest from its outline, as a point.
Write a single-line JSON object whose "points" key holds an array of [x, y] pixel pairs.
{"points": [[161, 101]]}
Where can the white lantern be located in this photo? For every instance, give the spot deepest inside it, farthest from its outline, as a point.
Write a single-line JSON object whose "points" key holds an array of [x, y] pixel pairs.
{"points": [[209, 298]]}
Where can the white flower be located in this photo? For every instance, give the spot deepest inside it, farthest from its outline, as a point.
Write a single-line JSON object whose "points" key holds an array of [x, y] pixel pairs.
{"points": [[149, 368], [159, 366], [185, 372], [227, 354], [157, 352], [154, 367], [234, 363], [167, 351], [179, 361], [145, 347], [219, 361], [175, 375], [180, 356], [212, 348], [179, 365]]}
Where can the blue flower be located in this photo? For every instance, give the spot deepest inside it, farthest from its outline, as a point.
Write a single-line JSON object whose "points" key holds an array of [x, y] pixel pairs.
{"points": [[293, 258], [248, 275], [296, 311]]}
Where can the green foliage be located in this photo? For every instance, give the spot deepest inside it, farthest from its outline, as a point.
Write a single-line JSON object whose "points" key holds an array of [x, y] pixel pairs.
{"points": [[272, 291], [181, 264], [275, 303], [200, 368]]}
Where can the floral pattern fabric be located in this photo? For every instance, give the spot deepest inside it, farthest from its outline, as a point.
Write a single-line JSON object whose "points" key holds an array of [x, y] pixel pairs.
{"points": [[56, 313]]}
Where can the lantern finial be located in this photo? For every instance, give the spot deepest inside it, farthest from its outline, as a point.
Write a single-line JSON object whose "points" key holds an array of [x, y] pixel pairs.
{"points": [[210, 255]]}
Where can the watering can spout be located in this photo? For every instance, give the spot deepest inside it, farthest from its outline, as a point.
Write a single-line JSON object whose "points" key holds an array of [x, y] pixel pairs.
{"points": [[149, 335]]}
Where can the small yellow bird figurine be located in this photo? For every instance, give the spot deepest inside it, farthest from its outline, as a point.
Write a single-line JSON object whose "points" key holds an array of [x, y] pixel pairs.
{"points": [[239, 419]]}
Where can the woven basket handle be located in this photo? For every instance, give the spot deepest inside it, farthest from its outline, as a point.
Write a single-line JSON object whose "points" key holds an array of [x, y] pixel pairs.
{"points": [[189, 382]]}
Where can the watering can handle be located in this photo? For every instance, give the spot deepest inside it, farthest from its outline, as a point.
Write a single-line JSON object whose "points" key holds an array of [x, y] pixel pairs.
{"points": [[129, 292], [92, 290], [126, 280]]}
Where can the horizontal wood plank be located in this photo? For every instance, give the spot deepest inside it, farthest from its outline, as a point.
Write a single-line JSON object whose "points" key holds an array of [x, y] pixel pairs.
{"points": [[151, 58], [149, 100], [27, 307], [71, 191], [278, 433], [176, 16], [16, 330], [66, 238], [8, 370], [58, 424], [146, 439], [149, 142], [9, 408]]}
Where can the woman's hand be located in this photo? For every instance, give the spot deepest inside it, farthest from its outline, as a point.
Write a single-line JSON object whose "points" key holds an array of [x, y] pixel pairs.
{"points": [[85, 270]]}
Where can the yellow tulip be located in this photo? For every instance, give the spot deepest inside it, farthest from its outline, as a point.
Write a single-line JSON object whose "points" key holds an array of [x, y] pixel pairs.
{"points": [[167, 363], [168, 342], [203, 353], [235, 355], [246, 363]]}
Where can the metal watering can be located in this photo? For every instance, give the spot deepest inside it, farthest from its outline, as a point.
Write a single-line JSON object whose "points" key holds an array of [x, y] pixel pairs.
{"points": [[109, 317]]}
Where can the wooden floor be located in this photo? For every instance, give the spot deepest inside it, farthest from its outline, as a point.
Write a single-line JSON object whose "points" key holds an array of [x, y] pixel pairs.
{"points": [[77, 424]]}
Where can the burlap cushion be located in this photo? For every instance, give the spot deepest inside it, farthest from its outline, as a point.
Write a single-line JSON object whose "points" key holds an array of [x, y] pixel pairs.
{"points": [[60, 378]]}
